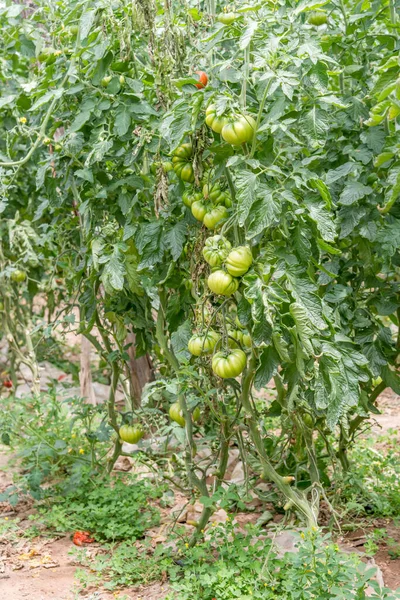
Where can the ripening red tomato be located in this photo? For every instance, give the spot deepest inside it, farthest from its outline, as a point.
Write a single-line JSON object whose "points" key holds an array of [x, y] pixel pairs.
{"points": [[82, 537], [7, 383], [203, 79]]}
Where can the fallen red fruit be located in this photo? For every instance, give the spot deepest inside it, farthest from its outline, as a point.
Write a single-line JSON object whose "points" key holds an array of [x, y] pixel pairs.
{"points": [[82, 537], [203, 79], [7, 383]]}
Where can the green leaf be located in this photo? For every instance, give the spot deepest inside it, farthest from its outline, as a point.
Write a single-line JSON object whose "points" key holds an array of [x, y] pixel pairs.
{"points": [[175, 239], [304, 292], [265, 212], [323, 190], [122, 121], [80, 120], [354, 191], [267, 368], [179, 342], [113, 274], [391, 378], [340, 172], [248, 34], [315, 124], [246, 184], [323, 220], [86, 23]]}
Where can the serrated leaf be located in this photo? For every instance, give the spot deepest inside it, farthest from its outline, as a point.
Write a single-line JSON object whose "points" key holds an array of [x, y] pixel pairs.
{"points": [[354, 191], [246, 184], [340, 172], [86, 23], [248, 34], [265, 212], [323, 220], [315, 124], [179, 342], [113, 273], [325, 247], [122, 121], [267, 368], [80, 120], [175, 239], [323, 190], [304, 292]]}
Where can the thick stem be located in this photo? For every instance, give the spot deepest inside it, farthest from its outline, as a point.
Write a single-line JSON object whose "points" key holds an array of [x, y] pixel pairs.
{"points": [[268, 472]]}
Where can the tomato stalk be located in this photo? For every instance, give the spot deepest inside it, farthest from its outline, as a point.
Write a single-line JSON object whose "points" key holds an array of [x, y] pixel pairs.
{"points": [[268, 472], [243, 95], [259, 116]]}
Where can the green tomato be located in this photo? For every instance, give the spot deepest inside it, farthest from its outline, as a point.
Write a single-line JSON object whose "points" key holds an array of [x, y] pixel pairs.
{"points": [[227, 18], [167, 166], [131, 433], [196, 414], [18, 276], [246, 340], [318, 18], [121, 80], [105, 81], [203, 344], [216, 195], [189, 198], [235, 338], [216, 123], [176, 414], [238, 261], [199, 210], [215, 250], [182, 163], [239, 130], [214, 217], [231, 364], [222, 283], [308, 420]]}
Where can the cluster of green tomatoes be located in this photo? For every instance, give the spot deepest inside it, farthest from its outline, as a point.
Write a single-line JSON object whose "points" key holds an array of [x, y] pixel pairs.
{"points": [[227, 266]]}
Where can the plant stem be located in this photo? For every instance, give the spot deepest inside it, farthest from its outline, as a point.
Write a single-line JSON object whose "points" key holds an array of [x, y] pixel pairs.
{"points": [[258, 121], [268, 472]]}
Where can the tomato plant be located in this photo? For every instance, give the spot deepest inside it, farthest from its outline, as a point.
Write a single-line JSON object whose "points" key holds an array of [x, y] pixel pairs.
{"points": [[290, 151]]}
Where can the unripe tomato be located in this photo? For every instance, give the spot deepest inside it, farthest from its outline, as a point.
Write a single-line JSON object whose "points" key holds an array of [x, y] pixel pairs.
{"points": [[7, 384], [214, 217], [199, 210], [246, 340], [308, 420], [227, 18], [190, 197], [216, 195], [196, 414], [216, 123], [18, 276], [319, 17], [239, 260], [131, 433], [203, 344], [222, 283], [167, 166], [182, 162], [235, 338], [203, 79], [394, 111], [105, 81], [229, 364], [239, 130], [216, 249], [176, 414], [122, 80]]}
